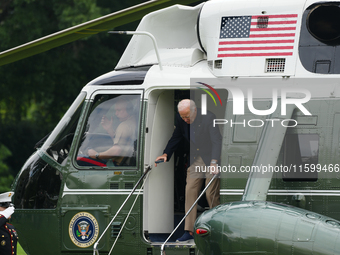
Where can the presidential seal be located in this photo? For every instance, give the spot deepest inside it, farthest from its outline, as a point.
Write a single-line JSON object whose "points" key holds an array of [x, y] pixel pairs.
{"points": [[83, 229]]}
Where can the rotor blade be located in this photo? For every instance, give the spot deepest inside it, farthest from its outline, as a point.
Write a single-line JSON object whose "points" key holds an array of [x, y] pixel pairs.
{"points": [[92, 27]]}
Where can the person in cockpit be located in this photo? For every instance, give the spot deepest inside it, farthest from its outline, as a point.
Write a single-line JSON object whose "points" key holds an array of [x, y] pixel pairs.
{"points": [[123, 137]]}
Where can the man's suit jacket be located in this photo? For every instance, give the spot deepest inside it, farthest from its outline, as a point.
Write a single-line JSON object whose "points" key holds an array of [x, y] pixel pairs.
{"points": [[207, 140]]}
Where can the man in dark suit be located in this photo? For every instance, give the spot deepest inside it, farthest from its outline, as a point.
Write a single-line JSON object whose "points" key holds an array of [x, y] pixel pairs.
{"points": [[205, 150]]}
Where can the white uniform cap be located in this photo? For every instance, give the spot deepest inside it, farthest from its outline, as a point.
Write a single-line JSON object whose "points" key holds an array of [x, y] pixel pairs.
{"points": [[6, 197]]}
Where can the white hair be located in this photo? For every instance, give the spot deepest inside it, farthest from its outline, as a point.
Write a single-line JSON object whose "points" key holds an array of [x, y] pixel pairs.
{"points": [[185, 103]]}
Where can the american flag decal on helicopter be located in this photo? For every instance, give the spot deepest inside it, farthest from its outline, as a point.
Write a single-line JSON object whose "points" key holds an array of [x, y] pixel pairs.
{"points": [[256, 36]]}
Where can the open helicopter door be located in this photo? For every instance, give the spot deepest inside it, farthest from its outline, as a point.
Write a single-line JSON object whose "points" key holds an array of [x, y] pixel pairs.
{"points": [[163, 197], [158, 203]]}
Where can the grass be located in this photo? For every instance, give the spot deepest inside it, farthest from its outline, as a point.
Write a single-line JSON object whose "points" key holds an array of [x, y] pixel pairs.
{"points": [[20, 251]]}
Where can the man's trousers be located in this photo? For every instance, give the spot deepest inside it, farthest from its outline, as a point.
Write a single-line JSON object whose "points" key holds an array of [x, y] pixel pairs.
{"points": [[196, 174]]}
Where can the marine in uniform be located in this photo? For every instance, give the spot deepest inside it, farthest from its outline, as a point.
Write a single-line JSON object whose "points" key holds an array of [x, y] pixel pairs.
{"points": [[8, 234]]}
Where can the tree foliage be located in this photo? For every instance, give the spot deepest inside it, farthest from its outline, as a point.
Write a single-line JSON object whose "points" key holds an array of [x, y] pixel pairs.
{"points": [[5, 177], [36, 92]]}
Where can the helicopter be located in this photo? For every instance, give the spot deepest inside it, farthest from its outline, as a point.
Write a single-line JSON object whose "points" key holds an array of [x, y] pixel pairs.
{"points": [[272, 65]]}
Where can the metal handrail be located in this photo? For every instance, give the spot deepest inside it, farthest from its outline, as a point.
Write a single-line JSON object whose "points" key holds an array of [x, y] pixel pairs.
{"points": [[95, 249], [193, 205], [155, 45], [126, 218]]}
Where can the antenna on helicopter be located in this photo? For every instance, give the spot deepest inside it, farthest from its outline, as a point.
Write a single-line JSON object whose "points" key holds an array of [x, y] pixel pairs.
{"points": [[143, 33]]}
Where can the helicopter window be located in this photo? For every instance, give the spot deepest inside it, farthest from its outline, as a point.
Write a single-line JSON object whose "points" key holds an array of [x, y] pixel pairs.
{"points": [[301, 153], [59, 142], [320, 38], [38, 185], [322, 22], [110, 133]]}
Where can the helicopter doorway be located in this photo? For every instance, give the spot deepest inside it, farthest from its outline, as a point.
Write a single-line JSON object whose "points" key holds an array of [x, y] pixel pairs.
{"points": [[158, 205], [164, 190]]}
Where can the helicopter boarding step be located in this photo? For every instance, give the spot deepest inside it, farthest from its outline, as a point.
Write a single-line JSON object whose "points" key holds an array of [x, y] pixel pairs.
{"points": [[166, 244], [189, 244]]}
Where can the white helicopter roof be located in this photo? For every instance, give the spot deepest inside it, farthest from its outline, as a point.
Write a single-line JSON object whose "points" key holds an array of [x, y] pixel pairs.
{"points": [[175, 33], [236, 37]]}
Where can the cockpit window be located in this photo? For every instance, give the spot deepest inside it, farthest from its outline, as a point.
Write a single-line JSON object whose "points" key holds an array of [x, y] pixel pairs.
{"points": [[38, 185], [59, 142], [110, 133]]}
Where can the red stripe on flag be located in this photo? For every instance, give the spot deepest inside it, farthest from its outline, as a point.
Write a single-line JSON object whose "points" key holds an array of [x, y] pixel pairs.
{"points": [[286, 22], [255, 42], [272, 29], [272, 35], [255, 54], [257, 48]]}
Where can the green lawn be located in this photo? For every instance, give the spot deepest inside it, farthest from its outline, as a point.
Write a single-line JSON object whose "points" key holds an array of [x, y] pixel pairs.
{"points": [[20, 251]]}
